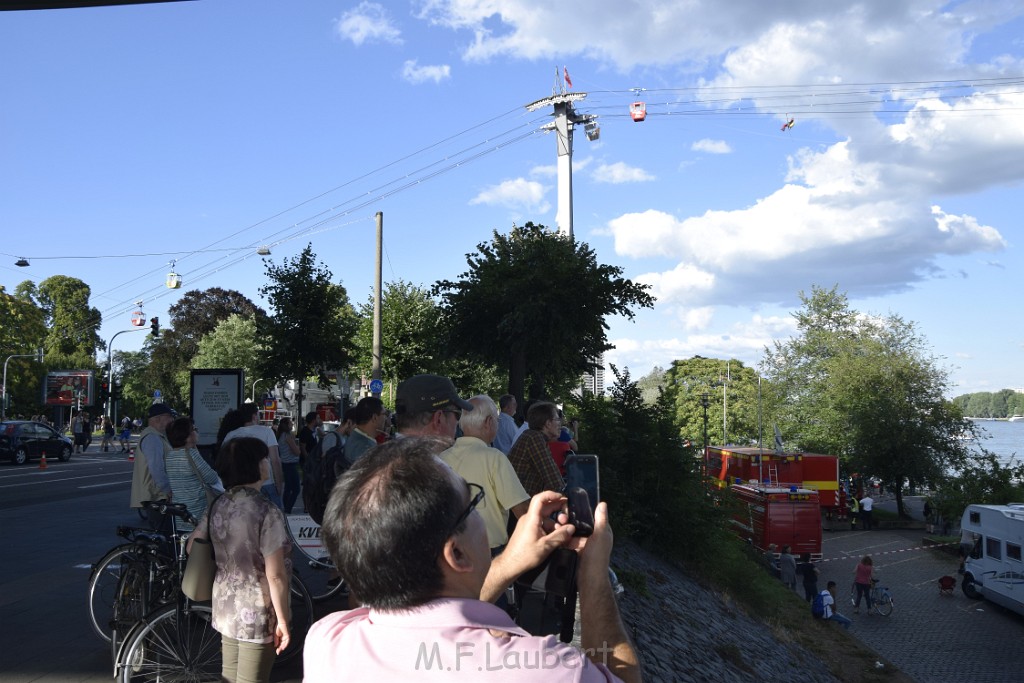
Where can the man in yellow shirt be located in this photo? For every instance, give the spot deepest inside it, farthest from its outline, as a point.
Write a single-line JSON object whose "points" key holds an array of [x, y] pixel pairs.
{"points": [[478, 463]]}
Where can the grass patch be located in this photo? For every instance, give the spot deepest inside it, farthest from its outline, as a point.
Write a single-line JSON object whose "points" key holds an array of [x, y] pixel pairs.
{"points": [[634, 581]]}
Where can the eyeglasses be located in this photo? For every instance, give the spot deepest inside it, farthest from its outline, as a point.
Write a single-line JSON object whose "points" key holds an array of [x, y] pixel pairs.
{"points": [[454, 411], [473, 502]]}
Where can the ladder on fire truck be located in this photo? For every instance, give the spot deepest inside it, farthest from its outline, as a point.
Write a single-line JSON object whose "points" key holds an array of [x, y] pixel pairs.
{"points": [[773, 474]]}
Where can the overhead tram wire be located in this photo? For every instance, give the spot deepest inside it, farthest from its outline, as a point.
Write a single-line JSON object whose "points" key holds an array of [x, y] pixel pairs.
{"points": [[517, 110], [159, 292], [799, 91]]}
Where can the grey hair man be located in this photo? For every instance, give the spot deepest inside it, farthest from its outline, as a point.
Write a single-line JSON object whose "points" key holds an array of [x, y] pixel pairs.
{"points": [[475, 461]]}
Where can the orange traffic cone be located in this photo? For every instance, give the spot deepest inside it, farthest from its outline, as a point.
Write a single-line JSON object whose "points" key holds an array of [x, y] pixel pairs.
{"points": [[42, 461], [131, 454]]}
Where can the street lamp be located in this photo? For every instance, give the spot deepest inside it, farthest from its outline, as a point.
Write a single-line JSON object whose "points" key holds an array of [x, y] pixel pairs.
{"points": [[705, 402], [38, 355], [109, 408], [254, 388]]}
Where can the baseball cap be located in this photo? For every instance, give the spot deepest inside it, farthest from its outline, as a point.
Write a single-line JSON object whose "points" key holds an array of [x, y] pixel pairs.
{"points": [[160, 409], [423, 393]]}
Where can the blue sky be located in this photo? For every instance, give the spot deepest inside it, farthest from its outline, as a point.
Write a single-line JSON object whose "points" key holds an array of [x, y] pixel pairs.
{"points": [[210, 128]]}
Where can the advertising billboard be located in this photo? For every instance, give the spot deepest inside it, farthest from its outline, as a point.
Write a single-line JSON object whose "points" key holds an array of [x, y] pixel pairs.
{"points": [[69, 388], [213, 394]]}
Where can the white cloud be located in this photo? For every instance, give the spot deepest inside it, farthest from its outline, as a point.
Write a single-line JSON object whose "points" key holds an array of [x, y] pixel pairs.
{"points": [[416, 74], [366, 23], [842, 218], [620, 172], [698, 318], [796, 42], [710, 146], [743, 340], [546, 171], [517, 193]]}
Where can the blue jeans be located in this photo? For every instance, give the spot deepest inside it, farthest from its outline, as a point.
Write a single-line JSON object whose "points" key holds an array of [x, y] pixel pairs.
{"points": [[839, 618], [291, 485]]}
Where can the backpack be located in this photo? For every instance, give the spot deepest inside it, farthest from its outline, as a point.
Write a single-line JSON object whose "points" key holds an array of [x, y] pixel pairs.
{"points": [[320, 473], [818, 606]]}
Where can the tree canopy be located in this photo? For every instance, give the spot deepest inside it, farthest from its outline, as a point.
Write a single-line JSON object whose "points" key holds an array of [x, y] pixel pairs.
{"points": [[311, 329], [686, 381], [865, 388], [72, 337], [534, 303], [410, 332]]}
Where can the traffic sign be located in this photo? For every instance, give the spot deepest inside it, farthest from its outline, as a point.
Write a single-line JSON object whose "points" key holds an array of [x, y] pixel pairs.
{"points": [[376, 386]]}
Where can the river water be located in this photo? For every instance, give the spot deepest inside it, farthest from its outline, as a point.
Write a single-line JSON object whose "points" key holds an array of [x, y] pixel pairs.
{"points": [[1005, 439]]}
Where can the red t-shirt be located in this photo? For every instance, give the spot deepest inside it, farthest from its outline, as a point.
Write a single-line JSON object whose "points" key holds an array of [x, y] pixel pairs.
{"points": [[863, 573], [558, 450]]}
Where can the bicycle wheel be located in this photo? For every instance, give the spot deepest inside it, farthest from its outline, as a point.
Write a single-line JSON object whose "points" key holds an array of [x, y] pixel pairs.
{"points": [[321, 580], [301, 619], [130, 602], [172, 643], [883, 604], [103, 589]]}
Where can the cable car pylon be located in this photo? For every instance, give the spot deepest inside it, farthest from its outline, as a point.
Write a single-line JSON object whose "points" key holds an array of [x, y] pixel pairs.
{"points": [[565, 119]]}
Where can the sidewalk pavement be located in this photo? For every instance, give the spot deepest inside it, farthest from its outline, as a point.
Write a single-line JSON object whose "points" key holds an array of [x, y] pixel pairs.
{"points": [[933, 637]]}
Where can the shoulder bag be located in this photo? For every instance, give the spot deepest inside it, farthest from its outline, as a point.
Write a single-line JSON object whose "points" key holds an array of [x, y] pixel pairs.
{"points": [[211, 495], [201, 567]]}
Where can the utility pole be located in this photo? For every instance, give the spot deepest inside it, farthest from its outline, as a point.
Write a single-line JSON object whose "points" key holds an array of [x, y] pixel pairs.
{"points": [[375, 367], [565, 118]]}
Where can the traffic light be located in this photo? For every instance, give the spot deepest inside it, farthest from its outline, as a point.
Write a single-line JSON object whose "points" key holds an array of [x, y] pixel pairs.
{"points": [[115, 392], [104, 393], [154, 325]]}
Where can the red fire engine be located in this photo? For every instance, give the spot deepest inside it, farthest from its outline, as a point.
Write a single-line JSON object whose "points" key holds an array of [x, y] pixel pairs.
{"points": [[813, 471], [783, 516]]}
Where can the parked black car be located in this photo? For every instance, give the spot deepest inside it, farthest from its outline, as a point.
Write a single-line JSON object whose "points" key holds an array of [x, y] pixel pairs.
{"points": [[22, 440]]}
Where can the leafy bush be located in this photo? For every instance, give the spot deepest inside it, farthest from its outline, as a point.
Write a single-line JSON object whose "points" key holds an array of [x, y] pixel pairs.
{"points": [[652, 483]]}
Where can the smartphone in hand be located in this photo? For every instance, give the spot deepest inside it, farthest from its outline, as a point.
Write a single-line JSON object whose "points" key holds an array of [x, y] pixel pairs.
{"points": [[582, 488]]}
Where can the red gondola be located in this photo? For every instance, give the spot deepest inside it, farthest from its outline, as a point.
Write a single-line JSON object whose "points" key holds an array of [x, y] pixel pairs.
{"points": [[638, 110], [138, 318]]}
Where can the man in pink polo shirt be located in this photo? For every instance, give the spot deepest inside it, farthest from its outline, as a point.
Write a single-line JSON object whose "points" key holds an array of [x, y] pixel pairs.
{"points": [[403, 530]]}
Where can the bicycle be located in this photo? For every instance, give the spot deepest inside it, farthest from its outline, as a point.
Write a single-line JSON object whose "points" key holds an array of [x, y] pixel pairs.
{"points": [[880, 598], [150, 572], [176, 640], [104, 577], [319, 573]]}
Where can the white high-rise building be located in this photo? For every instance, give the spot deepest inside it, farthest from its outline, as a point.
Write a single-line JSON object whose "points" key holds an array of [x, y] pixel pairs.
{"points": [[594, 381]]}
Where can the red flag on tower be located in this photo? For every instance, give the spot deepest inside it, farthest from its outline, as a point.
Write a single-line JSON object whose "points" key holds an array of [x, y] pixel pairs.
{"points": [[568, 81]]}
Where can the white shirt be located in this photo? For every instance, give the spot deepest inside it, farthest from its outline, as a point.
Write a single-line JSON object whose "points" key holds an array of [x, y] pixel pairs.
{"points": [[866, 503]]}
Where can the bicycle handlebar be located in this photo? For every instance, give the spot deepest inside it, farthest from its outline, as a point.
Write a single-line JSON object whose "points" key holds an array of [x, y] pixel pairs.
{"points": [[174, 509]]}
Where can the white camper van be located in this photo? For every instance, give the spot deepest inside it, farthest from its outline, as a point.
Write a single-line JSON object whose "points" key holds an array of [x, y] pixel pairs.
{"points": [[993, 538]]}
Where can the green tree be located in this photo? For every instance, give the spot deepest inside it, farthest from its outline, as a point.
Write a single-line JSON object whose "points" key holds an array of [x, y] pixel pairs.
{"points": [[22, 332], [865, 388], [313, 323], [534, 303], [131, 373], [652, 384], [649, 479], [983, 480], [195, 315], [73, 325], [234, 343], [687, 381], [410, 333]]}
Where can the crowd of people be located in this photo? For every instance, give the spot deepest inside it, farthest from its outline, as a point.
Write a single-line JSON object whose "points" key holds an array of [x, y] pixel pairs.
{"points": [[438, 509]]}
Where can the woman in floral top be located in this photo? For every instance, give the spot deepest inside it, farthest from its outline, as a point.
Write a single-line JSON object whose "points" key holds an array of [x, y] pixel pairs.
{"points": [[252, 546]]}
